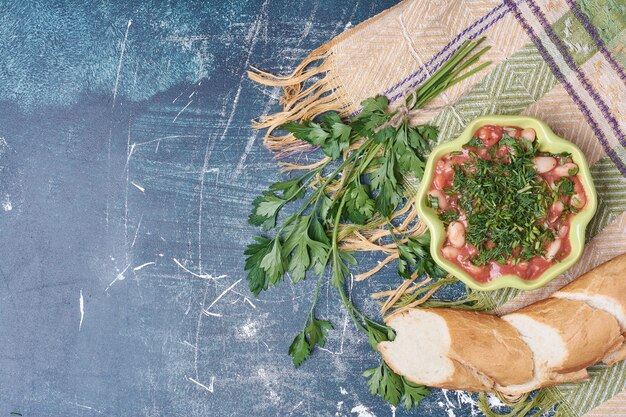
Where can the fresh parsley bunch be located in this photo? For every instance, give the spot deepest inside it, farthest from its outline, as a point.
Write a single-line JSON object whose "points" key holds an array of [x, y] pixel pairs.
{"points": [[362, 181]]}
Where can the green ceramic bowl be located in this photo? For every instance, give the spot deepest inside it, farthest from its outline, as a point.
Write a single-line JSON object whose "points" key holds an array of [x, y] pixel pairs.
{"points": [[549, 142]]}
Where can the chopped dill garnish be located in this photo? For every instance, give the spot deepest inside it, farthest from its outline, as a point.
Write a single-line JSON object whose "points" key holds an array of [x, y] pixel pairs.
{"points": [[505, 202]]}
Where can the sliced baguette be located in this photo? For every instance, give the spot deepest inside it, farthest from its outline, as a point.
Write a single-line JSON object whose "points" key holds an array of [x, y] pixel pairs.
{"points": [[603, 288], [457, 350], [565, 336], [550, 342]]}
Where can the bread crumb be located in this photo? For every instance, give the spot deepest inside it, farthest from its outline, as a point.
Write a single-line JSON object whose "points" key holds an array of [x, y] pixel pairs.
{"points": [[619, 48]]}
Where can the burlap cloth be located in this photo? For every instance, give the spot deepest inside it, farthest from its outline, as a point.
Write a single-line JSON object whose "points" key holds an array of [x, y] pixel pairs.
{"points": [[559, 60]]}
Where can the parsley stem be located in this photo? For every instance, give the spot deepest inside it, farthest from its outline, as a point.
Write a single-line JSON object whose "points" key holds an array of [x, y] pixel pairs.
{"points": [[351, 309], [317, 293], [320, 191], [336, 267], [368, 159], [314, 198], [392, 230]]}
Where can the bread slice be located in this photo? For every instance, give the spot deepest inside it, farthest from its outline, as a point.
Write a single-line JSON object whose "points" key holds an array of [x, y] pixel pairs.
{"points": [[565, 336], [456, 350], [603, 288]]}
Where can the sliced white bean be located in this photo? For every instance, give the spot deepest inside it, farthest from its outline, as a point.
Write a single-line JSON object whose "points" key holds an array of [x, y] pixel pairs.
{"points": [[528, 134], [473, 269], [456, 234], [441, 198], [563, 231], [556, 210], [439, 181], [450, 252], [544, 164], [553, 249], [566, 170]]}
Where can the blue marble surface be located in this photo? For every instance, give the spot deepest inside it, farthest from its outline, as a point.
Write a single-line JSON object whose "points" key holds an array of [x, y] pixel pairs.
{"points": [[127, 170]]}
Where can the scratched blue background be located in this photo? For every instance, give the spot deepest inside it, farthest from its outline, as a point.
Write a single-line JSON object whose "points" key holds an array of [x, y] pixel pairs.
{"points": [[127, 169]]}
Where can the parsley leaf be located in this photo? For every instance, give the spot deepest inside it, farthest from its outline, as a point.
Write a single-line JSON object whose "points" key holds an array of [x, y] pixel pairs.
{"points": [[392, 387], [386, 180], [385, 382], [258, 280], [359, 206], [313, 335], [317, 330], [291, 189], [373, 115], [415, 258], [265, 210], [331, 134], [306, 245], [299, 350], [413, 394], [273, 263]]}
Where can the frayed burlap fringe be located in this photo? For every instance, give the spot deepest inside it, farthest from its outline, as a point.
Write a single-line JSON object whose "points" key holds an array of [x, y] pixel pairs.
{"points": [[309, 91]]}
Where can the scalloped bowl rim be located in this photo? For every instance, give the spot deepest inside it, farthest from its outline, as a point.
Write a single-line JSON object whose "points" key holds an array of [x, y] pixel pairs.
{"points": [[550, 142]]}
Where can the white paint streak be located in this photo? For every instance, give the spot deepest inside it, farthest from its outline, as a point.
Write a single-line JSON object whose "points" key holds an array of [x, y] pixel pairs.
{"points": [[7, 205], [362, 411], [119, 277], [139, 187], [203, 276], [188, 344], [198, 324], [250, 143], [140, 267], [219, 297], [158, 140], [182, 110], [296, 407], [208, 313], [248, 330], [246, 299], [209, 388], [119, 65], [81, 306], [253, 38], [86, 407], [137, 231], [130, 154]]}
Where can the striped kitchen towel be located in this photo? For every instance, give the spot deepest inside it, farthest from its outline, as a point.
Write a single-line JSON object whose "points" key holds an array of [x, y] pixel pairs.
{"points": [[562, 61]]}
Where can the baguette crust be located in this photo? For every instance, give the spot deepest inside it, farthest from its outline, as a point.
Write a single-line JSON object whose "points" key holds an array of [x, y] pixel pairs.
{"points": [[607, 283], [509, 360], [588, 333], [549, 342], [482, 351]]}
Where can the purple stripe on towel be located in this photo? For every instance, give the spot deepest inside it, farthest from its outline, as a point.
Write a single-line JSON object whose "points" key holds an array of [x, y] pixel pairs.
{"points": [[579, 73], [592, 31], [559, 75], [423, 78], [452, 44]]}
